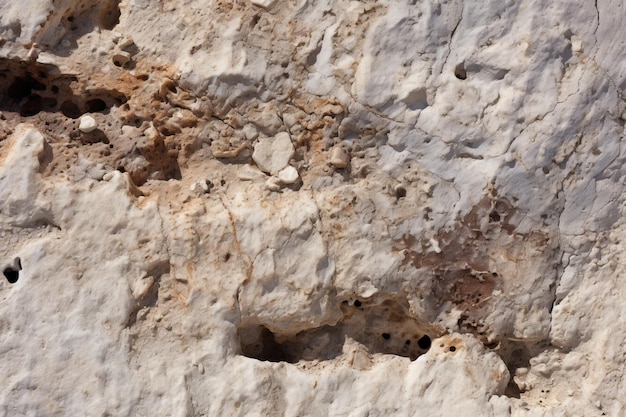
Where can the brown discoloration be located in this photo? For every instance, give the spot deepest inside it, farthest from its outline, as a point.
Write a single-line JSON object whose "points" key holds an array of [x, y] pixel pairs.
{"points": [[466, 270], [466, 289]]}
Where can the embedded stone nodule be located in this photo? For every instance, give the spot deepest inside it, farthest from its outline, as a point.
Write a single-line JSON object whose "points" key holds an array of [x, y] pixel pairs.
{"points": [[273, 154]]}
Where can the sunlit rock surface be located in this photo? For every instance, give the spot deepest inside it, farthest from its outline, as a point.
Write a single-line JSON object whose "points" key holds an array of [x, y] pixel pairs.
{"points": [[298, 208]]}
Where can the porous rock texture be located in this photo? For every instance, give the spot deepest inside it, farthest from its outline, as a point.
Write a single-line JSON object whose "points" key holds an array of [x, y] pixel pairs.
{"points": [[312, 208]]}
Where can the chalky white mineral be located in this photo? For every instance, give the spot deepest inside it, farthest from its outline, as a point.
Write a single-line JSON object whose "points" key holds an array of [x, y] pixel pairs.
{"points": [[273, 154], [87, 124]]}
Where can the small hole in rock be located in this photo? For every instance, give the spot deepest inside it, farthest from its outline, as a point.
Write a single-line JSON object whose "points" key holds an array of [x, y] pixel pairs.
{"points": [[357, 303], [424, 342], [452, 348], [494, 217], [95, 105], [407, 342], [259, 342], [400, 192], [492, 345], [32, 106], [227, 257], [70, 109], [121, 169], [110, 15], [11, 275], [386, 336], [459, 71], [22, 87]]}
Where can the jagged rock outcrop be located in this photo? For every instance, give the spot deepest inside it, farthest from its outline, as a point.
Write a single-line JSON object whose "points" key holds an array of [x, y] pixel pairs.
{"points": [[312, 208]]}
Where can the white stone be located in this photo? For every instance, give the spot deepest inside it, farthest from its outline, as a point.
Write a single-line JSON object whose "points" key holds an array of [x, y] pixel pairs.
{"points": [[273, 154], [339, 158], [577, 45], [249, 173], [250, 131], [288, 175], [263, 3], [120, 58], [87, 124]]}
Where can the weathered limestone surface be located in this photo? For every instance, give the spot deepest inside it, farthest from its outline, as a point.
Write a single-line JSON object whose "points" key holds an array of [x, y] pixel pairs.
{"points": [[312, 208]]}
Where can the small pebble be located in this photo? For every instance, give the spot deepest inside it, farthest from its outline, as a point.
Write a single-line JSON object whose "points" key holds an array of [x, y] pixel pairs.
{"points": [[338, 157], [272, 155], [87, 124], [288, 175], [263, 3], [204, 185], [577, 44], [121, 58]]}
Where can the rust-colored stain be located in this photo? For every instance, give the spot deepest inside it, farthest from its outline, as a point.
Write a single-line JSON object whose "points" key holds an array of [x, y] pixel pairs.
{"points": [[463, 270]]}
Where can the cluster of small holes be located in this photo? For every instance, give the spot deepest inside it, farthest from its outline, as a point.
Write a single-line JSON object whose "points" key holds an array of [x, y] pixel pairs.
{"points": [[30, 88], [380, 328]]}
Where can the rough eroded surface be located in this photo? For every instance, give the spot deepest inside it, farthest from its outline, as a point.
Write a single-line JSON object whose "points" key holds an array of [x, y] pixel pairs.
{"points": [[346, 208]]}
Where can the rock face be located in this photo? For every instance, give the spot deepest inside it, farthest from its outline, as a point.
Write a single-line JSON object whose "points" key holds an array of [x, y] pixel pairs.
{"points": [[346, 208]]}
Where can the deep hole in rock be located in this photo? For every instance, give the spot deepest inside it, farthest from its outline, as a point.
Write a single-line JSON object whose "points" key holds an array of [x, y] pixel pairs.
{"points": [[260, 343], [32, 106], [11, 275], [424, 342], [460, 72], [109, 15], [22, 86], [70, 109], [381, 328], [494, 217], [96, 105], [516, 354]]}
